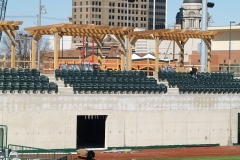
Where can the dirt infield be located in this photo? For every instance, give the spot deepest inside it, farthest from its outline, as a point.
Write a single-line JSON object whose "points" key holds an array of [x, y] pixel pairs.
{"points": [[170, 153]]}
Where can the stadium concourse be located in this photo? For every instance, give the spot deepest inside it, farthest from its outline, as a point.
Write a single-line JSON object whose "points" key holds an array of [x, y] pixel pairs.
{"points": [[131, 116]]}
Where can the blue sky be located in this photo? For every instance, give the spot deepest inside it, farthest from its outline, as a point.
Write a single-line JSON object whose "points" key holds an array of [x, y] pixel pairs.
{"points": [[223, 12]]}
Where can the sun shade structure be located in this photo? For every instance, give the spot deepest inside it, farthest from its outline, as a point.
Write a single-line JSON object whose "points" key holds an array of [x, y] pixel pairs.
{"points": [[96, 32], [179, 36], [9, 28]]}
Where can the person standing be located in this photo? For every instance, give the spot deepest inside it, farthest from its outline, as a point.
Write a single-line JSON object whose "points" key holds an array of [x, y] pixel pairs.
{"points": [[194, 72]]}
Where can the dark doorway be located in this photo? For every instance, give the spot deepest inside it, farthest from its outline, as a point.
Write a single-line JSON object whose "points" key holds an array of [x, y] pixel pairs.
{"points": [[238, 128], [91, 131]]}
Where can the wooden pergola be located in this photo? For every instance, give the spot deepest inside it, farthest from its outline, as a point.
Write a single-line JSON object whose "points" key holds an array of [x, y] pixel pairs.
{"points": [[96, 32], [9, 28], [179, 36]]}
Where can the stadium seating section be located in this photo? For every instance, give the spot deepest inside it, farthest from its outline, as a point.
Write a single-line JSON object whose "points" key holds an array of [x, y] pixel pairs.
{"points": [[28, 80], [113, 82], [205, 83]]}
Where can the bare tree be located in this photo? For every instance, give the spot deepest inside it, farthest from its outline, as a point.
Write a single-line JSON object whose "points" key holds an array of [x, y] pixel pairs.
{"points": [[23, 46]]}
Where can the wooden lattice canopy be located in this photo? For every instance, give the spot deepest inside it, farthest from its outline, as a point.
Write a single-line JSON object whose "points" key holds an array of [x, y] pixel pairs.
{"points": [[78, 30], [9, 28], [171, 34], [10, 25], [95, 31]]}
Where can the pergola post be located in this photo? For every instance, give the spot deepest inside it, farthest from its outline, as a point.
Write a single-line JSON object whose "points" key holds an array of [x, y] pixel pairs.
{"points": [[98, 41], [181, 46], [4, 60], [157, 43], [121, 40], [129, 56], [33, 59], [9, 28], [123, 57], [209, 60], [56, 50], [208, 44], [13, 51]]}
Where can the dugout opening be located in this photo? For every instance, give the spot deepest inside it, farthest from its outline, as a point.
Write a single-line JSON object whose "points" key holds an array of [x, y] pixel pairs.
{"points": [[91, 131]]}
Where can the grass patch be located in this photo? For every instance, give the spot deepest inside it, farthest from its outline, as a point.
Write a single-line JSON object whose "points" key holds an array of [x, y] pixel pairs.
{"points": [[195, 158]]}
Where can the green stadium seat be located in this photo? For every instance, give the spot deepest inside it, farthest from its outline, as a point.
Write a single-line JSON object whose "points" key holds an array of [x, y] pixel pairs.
{"points": [[22, 86], [53, 87], [14, 87], [45, 87], [37, 87], [67, 81], [6, 86], [30, 87], [76, 88]]}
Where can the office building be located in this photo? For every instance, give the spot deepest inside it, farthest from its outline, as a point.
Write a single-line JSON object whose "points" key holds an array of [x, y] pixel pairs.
{"points": [[114, 13]]}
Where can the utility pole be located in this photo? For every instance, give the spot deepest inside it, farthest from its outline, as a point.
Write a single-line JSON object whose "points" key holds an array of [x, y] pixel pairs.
{"points": [[154, 13], [127, 58], [39, 41], [203, 60]]}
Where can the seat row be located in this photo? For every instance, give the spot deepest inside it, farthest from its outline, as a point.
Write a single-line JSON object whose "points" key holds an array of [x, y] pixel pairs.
{"points": [[122, 80], [60, 74], [105, 88], [208, 89], [42, 78], [166, 75], [27, 87], [20, 71], [172, 82]]}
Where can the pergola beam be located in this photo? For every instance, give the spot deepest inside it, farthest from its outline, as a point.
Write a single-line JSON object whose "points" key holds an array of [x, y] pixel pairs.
{"points": [[97, 32], [179, 36], [9, 28]]}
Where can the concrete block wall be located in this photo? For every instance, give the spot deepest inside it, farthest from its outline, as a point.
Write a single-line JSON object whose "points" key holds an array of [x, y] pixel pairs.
{"points": [[49, 121]]}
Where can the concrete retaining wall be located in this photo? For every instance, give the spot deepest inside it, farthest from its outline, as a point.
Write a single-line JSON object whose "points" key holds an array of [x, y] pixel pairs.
{"points": [[49, 121]]}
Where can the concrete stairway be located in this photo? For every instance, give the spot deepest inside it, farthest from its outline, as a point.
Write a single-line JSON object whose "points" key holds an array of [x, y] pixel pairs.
{"points": [[61, 88], [171, 91]]}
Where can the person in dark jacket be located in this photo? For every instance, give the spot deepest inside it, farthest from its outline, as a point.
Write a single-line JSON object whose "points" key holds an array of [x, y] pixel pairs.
{"points": [[194, 72]]}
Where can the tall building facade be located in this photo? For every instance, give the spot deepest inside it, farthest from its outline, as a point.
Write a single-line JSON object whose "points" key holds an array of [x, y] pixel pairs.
{"points": [[114, 13]]}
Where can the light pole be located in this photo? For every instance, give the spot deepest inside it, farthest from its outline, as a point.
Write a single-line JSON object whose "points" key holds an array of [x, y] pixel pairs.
{"points": [[204, 25], [230, 37], [42, 10]]}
